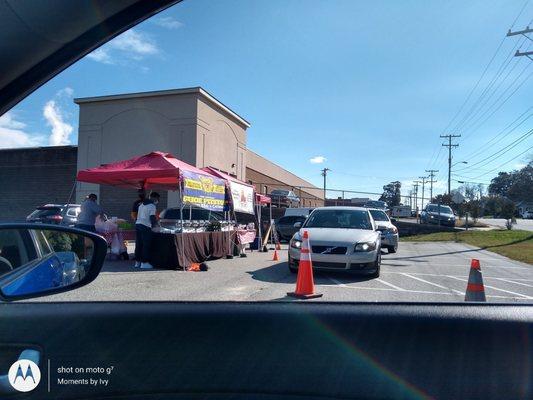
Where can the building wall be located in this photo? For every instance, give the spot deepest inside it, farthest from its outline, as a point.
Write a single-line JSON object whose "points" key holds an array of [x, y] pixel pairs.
{"points": [[221, 140], [266, 176], [32, 177], [123, 128]]}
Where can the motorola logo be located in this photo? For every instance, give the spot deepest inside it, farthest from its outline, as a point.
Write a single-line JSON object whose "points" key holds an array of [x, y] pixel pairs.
{"points": [[24, 375]]}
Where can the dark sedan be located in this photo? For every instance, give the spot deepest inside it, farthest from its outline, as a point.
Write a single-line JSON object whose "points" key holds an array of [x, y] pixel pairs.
{"points": [[437, 214], [285, 226], [61, 214]]}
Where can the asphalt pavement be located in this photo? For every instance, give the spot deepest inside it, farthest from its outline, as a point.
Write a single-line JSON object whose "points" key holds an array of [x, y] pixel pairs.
{"points": [[419, 272]]}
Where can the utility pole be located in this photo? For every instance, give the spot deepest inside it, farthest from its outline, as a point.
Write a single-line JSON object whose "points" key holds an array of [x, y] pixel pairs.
{"points": [[449, 145], [415, 188], [431, 182], [523, 32], [324, 174], [423, 188]]}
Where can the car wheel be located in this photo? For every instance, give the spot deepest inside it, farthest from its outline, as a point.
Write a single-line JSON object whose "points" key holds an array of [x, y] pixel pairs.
{"points": [[392, 249], [377, 264]]}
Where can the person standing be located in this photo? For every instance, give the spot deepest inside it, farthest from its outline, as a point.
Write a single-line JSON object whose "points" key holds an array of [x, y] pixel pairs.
{"points": [[89, 211], [146, 220], [137, 203]]}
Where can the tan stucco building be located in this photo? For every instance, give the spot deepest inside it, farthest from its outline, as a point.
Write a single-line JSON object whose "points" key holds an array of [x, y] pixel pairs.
{"points": [[189, 123]]}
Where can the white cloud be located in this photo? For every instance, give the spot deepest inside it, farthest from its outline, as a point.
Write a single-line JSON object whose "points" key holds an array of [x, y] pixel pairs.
{"points": [[131, 45], [168, 22], [317, 160], [519, 166], [12, 133], [101, 55], [61, 130]]}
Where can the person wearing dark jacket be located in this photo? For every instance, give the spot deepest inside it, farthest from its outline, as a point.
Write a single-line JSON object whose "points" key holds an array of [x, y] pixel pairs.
{"points": [[146, 220]]}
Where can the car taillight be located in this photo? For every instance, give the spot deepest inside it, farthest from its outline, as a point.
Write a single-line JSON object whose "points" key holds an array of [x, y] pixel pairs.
{"points": [[55, 217]]}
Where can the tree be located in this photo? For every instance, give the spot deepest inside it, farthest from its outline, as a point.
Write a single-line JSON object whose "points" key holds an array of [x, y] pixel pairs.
{"points": [[515, 185], [442, 199], [392, 193], [508, 210]]}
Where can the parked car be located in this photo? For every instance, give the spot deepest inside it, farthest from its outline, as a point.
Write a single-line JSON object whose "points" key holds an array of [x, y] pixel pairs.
{"points": [[169, 217], [437, 214], [527, 214], [389, 233], [298, 211], [285, 226], [378, 204], [342, 239], [284, 198], [56, 214], [401, 211]]}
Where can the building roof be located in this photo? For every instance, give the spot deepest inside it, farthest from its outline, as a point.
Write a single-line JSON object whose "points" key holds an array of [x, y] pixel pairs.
{"points": [[170, 92], [263, 165]]}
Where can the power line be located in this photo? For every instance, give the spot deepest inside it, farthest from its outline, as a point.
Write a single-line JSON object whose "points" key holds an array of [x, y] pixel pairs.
{"points": [[505, 163], [486, 144], [500, 152]]}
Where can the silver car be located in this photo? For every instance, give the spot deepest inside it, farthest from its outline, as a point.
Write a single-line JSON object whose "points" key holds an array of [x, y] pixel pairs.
{"points": [[389, 233], [341, 238]]}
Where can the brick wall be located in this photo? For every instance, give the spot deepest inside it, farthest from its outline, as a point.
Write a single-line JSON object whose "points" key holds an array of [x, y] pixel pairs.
{"points": [[260, 181], [35, 176]]}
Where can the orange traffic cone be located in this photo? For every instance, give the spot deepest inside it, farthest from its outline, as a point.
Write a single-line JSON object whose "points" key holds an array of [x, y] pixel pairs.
{"points": [[305, 285], [275, 257], [475, 291]]}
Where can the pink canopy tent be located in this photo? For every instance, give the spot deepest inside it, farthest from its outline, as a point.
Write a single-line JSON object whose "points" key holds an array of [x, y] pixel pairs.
{"points": [[156, 170], [262, 199]]}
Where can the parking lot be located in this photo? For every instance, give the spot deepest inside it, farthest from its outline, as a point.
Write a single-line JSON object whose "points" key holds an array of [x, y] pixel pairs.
{"points": [[419, 272]]}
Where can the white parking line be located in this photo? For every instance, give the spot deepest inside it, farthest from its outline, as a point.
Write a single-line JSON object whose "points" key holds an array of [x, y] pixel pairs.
{"points": [[451, 264], [343, 286], [495, 288], [512, 281], [431, 283], [339, 283], [458, 276], [390, 285]]}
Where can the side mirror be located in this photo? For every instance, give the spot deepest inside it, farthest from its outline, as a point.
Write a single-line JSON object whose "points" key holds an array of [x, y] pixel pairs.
{"points": [[393, 220], [381, 228], [297, 225], [39, 260]]}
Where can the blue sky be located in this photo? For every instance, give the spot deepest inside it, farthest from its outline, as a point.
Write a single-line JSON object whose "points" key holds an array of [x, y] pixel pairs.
{"points": [[364, 88]]}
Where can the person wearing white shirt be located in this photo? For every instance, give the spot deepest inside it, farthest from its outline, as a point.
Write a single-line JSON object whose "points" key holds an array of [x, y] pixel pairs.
{"points": [[146, 220]]}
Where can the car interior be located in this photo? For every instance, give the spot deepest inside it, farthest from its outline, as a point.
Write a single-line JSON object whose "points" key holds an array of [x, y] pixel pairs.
{"points": [[232, 350]]}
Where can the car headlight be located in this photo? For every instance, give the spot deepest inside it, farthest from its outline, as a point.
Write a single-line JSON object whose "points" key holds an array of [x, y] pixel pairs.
{"points": [[365, 246], [431, 216], [296, 243]]}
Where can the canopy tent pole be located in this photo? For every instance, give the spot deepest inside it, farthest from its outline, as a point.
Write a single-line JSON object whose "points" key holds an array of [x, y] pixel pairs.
{"points": [[227, 216], [271, 228], [181, 223]]}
